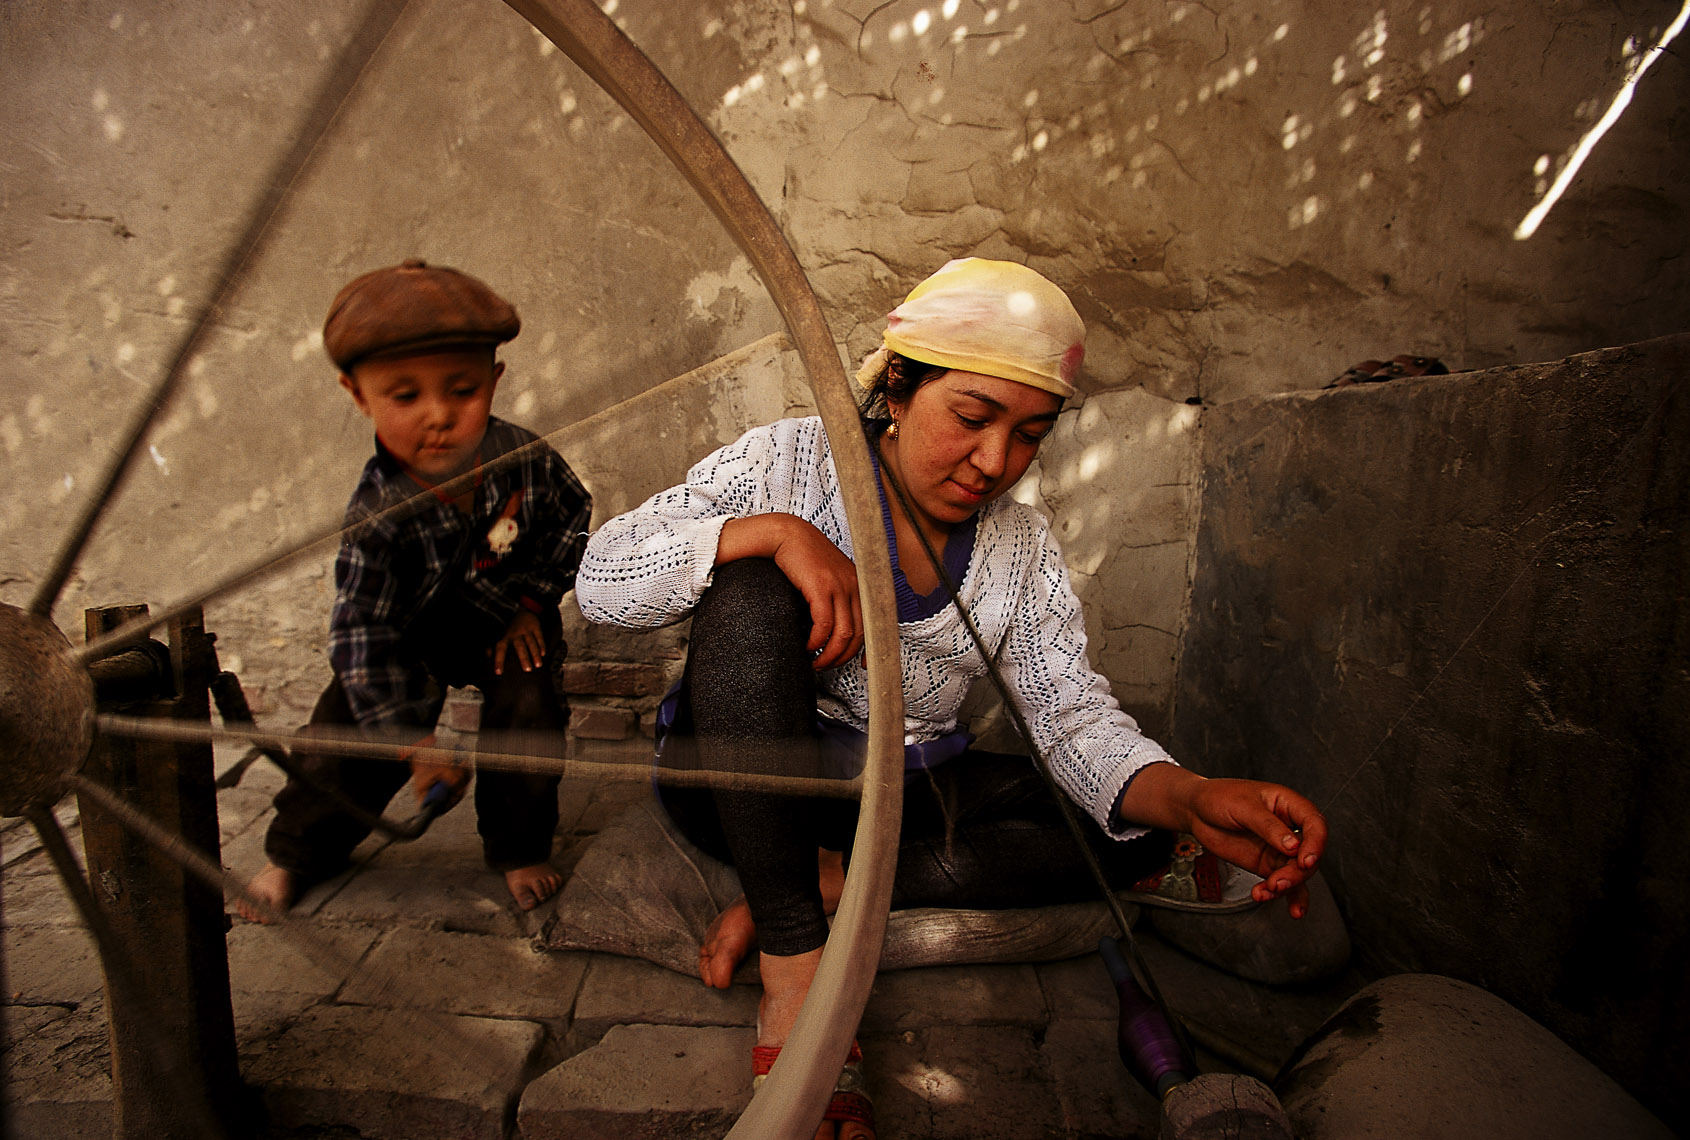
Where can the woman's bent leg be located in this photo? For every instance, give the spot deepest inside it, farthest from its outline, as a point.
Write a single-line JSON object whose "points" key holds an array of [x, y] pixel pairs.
{"points": [[750, 693], [984, 831]]}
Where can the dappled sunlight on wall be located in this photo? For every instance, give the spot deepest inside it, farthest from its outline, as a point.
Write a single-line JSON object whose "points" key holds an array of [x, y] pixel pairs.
{"points": [[1243, 200]]}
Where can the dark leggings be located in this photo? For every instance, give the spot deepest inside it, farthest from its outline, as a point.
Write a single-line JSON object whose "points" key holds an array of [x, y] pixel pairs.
{"points": [[516, 812], [980, 831]]}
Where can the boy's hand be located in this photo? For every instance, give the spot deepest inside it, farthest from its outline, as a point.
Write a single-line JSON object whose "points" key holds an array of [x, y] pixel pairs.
{"points": [[523, 638], [425, 773]]}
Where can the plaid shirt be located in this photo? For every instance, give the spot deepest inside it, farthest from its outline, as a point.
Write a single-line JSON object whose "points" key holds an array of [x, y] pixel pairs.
{"points": [[391, 566]]}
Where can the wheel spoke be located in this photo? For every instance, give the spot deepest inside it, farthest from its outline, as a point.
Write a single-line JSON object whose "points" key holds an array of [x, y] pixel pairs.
{"points": [[256, 571], [173, 846], [378, 20]]}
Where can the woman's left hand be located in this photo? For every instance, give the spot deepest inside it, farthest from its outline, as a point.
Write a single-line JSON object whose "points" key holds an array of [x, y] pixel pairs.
{"points": [[1265, 828]]}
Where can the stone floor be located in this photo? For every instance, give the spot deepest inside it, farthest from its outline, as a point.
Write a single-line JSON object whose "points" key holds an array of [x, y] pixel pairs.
{"points": [[406, 1000]]}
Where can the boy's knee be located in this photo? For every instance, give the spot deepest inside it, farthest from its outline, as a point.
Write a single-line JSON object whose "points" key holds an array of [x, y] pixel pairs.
{"points": [[523, 700]]}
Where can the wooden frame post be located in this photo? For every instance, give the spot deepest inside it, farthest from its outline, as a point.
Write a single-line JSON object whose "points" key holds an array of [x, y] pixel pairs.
{"points": [[171, 926]]}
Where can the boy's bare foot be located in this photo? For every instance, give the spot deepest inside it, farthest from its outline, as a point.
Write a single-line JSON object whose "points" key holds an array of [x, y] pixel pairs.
{"points": [[274, 887], [727, 942], [531, 886]]}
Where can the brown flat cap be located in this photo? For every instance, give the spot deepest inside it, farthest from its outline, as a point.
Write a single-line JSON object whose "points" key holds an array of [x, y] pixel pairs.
{"points": [[411, 308]]}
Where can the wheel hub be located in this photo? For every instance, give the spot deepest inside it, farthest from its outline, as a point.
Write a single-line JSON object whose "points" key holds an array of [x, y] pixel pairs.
{"points": [[46, 712]]}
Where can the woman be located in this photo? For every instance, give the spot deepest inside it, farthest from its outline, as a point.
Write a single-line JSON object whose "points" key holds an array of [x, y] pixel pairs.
{"points": [[975, 367]]}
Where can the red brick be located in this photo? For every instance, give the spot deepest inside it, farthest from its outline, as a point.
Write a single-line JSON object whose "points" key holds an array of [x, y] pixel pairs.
{"points": [[627, 679], [579, 676], [613, 678], [601, 722]]}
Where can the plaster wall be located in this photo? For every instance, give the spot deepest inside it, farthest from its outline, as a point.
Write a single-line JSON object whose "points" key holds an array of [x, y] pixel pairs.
{"points": [[1243, 198], [1470, 645]]}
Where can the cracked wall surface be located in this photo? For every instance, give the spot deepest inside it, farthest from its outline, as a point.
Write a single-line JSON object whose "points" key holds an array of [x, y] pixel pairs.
{"points": [[1243, 198]]}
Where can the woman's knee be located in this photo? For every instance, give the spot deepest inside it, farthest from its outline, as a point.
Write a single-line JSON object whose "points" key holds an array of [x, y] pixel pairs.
{"points": [[751, 627]]}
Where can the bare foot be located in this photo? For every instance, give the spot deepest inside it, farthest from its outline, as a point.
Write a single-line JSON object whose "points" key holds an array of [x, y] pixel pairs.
{"points": [[531, 886], [786, 982], [726, 944], [272, 889], [733, 934]]}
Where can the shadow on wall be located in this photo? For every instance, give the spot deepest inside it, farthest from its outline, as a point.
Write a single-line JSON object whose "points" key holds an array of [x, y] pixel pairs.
{"points": [[1468, 642]]}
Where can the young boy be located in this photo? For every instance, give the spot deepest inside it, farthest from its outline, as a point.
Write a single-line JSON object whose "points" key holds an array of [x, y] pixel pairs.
{"points": [[462, 589]]}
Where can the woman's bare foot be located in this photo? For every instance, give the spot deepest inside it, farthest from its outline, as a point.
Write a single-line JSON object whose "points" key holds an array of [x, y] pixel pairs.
{"points": [[733, 934], [726, 944], [274, 888], [786, 983], [530, 886]]}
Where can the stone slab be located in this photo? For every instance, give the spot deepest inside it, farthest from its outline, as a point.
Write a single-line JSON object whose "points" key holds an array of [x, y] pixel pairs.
{"points": [[961, 1083], [58, 1072], [440, 875], [306, 958], [644, 1082], [51, 964], [276, 973], [954, 995], [33, 896], [19, 841], [1420, 1056], [393, 1075], [1095, 1093], [470, 974], [630, 991]]}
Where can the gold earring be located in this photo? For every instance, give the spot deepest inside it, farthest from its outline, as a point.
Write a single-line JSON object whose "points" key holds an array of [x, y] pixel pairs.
{"points": [[892, 431]]}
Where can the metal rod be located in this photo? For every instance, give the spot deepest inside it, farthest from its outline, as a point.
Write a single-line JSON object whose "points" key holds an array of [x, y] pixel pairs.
{"points": [[363, 747]]}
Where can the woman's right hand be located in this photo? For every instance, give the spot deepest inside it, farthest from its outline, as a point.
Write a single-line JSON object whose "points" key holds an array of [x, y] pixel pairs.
{"points": [[820, 571]]}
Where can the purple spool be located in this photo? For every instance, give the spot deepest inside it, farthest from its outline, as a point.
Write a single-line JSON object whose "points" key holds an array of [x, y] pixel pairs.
{"points": [[1148, 1046]]}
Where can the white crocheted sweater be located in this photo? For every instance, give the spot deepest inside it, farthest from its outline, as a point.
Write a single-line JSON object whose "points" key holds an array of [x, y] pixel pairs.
{"points": [[648, 568]]}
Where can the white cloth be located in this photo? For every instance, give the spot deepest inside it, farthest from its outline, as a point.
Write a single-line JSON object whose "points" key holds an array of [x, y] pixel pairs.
{"points": [[648, 568]]}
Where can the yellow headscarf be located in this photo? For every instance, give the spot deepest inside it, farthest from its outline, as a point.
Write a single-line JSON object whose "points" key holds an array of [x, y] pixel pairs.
{"points": [[992, 317]]}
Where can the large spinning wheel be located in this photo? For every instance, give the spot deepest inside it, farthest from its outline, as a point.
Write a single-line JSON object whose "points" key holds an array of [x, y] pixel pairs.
{"points": [[47, 713]]}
